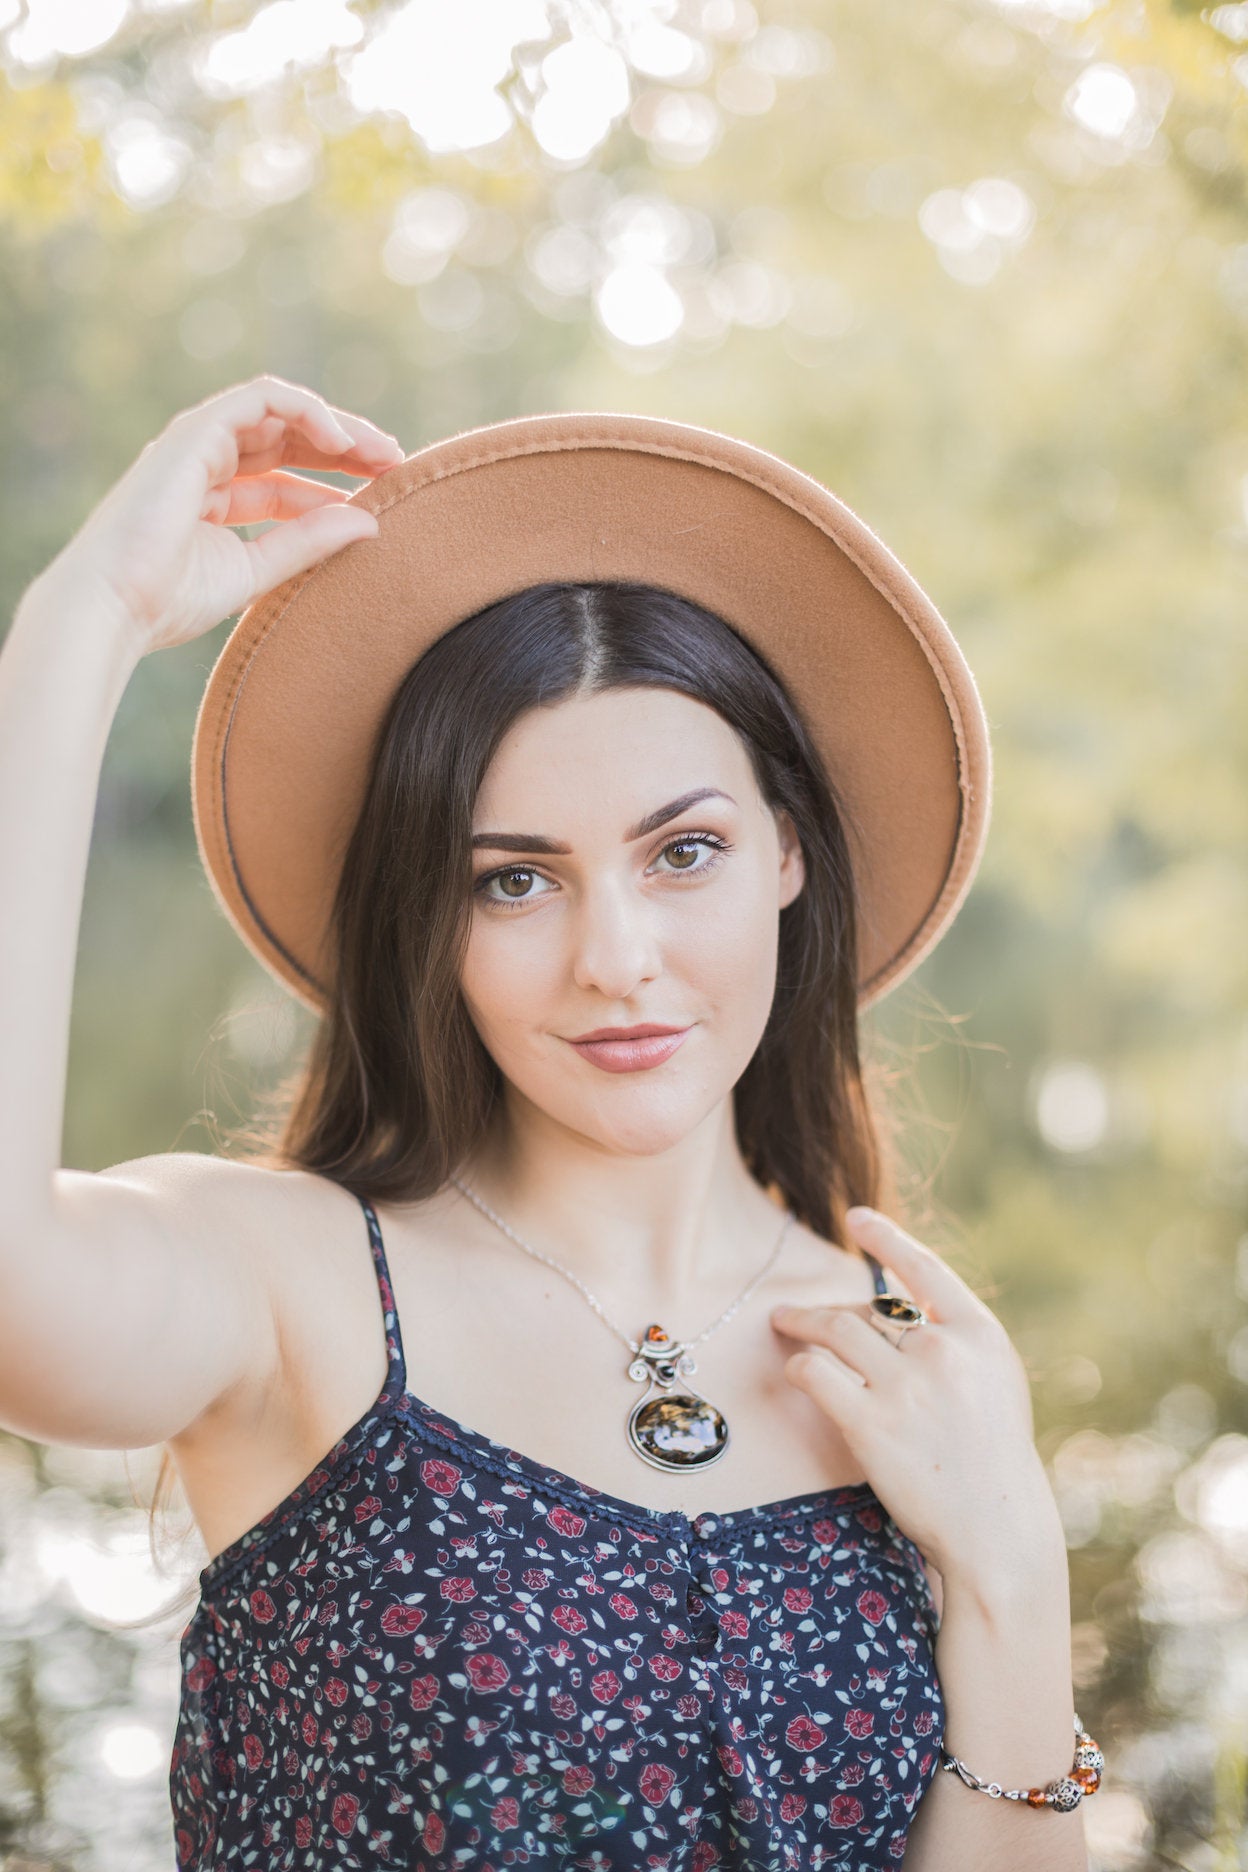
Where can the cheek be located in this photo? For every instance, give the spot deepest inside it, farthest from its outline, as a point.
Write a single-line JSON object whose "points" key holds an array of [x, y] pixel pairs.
{"points": [[728, 949], [506, 981]]}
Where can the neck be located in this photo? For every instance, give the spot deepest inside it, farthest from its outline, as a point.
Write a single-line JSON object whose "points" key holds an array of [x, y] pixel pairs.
{"points": [[664, 1234]]}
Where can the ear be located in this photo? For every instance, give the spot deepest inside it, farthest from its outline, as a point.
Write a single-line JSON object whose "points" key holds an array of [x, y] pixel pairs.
{"points": [[792, 864]]}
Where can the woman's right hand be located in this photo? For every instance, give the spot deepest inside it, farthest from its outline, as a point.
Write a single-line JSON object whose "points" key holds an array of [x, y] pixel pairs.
{"points": [[158, 549]]}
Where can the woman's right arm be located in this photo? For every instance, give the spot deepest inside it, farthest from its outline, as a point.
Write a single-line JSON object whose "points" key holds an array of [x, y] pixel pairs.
{"points": [[126, 1309]]}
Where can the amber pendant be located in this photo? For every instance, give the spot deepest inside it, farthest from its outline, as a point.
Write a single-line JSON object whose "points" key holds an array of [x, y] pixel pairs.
{"points": [[672, 1429]]}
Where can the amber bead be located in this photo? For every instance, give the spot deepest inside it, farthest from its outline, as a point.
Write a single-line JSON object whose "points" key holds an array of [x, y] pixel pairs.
{"points": [[1035, 1798]]}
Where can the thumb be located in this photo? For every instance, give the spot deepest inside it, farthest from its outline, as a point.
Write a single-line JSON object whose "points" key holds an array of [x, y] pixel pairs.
{"points": [[295, 545]]}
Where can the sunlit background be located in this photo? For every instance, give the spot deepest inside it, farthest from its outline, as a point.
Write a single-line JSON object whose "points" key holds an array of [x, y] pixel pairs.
{"points": [[982, 267]]}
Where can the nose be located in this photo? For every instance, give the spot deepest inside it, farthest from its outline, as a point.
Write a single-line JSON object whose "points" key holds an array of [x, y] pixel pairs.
{"points": [[615, 940]]}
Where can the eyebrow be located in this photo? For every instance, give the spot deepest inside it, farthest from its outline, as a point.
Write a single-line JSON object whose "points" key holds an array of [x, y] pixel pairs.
{"points": [[538, 842]]}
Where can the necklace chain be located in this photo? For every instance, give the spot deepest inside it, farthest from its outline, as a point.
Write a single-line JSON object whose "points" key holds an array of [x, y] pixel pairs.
{"points": [[632, 1344]]}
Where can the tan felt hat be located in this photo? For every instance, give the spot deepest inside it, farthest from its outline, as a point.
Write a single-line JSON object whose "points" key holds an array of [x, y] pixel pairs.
{"points": [[286, 724]]}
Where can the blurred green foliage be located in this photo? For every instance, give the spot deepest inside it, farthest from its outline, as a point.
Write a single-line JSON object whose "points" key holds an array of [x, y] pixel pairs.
{"points": [[983, 269]]}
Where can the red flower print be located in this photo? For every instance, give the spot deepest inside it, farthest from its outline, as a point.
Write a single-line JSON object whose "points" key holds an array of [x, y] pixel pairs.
{"points": [[605, 1686], [440, 1478], [569, 1619], [434, 1832], [923, 1722], [826, 1531], [704, 1857], [656, 1783], [303, 1831], [505, 1813], [562, 1705], [798, 1598], [279, 1674], [869, 1517], [336, 1691], [456, 1588], [852, 1773], [565, 1521], [803, 1734], [486, 1672], [253, 1749], [734, 1624], [844, 1811], [262, 1607], [731, 1762], [361, 1726], [535, 1578], [734, 1678], [398, 1620], [578, 1779], [666, 1669], [873, 1605], [202, 1673], [367, 1510], [423, 1692], [688, 1706], [747, 1808], [859, 1722], [621, 1603], [793, 1806], [309, 1730]]}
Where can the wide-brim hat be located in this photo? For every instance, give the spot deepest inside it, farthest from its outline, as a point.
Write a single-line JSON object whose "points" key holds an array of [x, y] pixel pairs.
{"points": [[286, 725]]}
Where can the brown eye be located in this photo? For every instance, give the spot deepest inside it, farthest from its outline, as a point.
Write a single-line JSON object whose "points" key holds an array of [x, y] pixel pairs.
{"points": [[508, 897], [685, 845], [506, 878]]}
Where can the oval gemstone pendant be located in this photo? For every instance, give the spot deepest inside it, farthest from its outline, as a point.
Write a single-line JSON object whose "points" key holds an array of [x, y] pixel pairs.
{"points": [[672, 1429]]}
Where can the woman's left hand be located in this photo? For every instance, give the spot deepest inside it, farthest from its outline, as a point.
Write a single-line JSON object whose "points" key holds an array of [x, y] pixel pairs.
{"points": [[942, 1422]]}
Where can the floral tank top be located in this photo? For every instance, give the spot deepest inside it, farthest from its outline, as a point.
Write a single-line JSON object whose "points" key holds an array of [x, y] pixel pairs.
{"points": [[438, 1654]]}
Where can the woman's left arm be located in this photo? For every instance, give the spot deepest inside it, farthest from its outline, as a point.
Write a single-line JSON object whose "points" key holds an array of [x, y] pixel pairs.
{"points": [[1002, 1656]]}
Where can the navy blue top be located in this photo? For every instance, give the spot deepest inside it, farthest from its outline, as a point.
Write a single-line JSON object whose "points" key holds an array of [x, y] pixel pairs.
{"points": [[438, 1654]]}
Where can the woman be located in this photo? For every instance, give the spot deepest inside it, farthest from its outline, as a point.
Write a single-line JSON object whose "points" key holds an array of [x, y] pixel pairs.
{"points": [[490, 792]]}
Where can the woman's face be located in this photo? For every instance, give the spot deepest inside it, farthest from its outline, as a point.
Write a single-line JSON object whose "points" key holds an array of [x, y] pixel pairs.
{"points": [[676, 925]]}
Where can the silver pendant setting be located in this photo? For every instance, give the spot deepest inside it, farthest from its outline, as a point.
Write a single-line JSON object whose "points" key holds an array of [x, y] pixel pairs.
{"points": [[670, 1428]]}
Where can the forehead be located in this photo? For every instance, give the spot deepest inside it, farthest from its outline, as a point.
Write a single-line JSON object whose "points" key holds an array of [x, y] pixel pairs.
{"points": [[610, 755]]}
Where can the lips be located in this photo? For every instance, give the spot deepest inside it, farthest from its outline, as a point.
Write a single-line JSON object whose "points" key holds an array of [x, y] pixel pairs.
{"points": [[634, 1055]]}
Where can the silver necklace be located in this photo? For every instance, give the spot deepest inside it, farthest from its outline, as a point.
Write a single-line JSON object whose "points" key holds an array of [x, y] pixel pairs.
{"points": [[669, 1429]]}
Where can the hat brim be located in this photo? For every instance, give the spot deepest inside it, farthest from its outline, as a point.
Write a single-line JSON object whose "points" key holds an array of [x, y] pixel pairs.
{"points": [[285, 727]]}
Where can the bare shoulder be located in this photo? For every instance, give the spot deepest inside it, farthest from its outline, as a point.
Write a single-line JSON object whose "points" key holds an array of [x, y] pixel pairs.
{"points": [[261, 1209], [288, 1234]]}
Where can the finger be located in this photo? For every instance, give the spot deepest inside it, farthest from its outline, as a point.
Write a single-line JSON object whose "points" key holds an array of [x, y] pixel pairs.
{"points": [[284, 550], [835, 1387], [942, 1294], [843, 1331], [273, 496], [274, 442], [245, 409]]}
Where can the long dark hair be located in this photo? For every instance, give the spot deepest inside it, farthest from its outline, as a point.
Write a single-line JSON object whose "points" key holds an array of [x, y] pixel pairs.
{"points": [[397, 1088]]}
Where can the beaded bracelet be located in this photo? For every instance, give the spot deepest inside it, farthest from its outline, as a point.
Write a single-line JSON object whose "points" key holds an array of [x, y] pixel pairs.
{"points": [[1064, 1795]]}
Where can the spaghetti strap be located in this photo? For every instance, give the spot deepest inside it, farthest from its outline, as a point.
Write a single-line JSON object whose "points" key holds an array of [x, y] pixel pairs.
{"points": [[396, 1382], [881, 1284]]}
